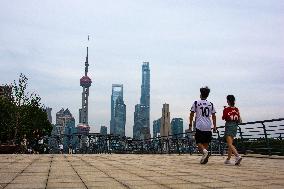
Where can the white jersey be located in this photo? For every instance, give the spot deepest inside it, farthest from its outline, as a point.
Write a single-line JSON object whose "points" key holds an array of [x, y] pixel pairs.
{"points": [[203, 110]]}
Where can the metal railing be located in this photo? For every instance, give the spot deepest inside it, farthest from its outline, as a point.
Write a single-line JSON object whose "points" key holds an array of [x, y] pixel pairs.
{"points": [[262, 137]]}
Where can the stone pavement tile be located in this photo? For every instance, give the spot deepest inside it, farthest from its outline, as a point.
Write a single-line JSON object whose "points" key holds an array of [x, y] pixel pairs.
{"points": [[194, 178], [277, 181], [11, 170], [26, 186], [148, 173], [273, 186], [186, 186], [108, 187], [33, 174], [7, 177], [242, 187], [217, 184], [251, 183], [128, 177], [30, 179], [97, 179], [156, 186], [62, 176], [66, 180], [65, 185], [200, 179], [65, 173], [138, 182], [112, 183], [176, 173], [167, 180]]}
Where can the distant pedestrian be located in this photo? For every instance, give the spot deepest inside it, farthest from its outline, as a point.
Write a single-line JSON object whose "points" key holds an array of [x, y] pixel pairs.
{"points": [[204, 111], [70, 148], [61, 148], [232, 117]]}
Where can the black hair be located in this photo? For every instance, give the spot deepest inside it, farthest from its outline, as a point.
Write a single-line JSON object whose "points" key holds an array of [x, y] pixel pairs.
{"points": [[231, 99], [204, 91]]}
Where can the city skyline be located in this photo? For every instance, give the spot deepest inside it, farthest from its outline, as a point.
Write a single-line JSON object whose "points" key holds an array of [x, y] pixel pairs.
{"points": [[233, 47]]}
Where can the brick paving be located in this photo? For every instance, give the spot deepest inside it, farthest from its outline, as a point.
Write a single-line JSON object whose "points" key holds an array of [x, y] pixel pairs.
{"points": [[137, 171]]}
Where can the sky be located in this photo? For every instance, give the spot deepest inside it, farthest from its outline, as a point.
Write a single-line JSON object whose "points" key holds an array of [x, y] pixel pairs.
{"points": [[234, 47]]}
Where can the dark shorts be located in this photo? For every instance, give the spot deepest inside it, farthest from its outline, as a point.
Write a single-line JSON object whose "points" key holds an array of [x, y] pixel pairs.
{"points": [[203, 136]]}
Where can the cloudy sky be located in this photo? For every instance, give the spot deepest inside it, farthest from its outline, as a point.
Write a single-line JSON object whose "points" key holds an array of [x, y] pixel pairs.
{"points": [[234, 47]]}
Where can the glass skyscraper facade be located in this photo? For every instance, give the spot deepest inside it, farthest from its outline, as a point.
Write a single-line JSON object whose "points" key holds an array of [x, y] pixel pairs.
{"points": [[177, 126], [141, 128], [103, 130], [156, 127], [118, 111], [145, 90]]}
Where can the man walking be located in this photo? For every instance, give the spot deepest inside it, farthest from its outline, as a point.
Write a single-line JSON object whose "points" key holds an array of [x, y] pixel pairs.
{"points": [[204, 111]]}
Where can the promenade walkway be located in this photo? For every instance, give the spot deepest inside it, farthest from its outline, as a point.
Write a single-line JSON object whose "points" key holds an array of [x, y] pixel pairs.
{"points": [[137, 171]]}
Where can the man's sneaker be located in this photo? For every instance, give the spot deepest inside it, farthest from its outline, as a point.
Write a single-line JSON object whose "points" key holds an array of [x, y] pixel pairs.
{"points": [[238, 160], [205, 157], [227, 162]]}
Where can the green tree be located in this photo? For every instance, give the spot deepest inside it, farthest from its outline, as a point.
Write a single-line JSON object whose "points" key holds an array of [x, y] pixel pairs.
{"points": [[23, 115], [7, 115]]}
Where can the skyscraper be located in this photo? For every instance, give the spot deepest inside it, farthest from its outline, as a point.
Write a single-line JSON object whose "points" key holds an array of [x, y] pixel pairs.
{"points": [[165, 121], [145, 90], [141, 128], [156, 127], [118, 111], [140, 122], [177, 127], [64, 118], [103, 130], [48, 112]]}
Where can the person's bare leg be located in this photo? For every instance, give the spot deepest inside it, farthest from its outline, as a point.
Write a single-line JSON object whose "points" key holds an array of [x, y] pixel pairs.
{"points": [[231, 146], [200, 147], [206, 146]]}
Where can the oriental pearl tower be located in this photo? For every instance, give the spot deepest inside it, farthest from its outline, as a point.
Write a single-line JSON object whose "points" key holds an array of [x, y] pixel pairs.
{"points": [[85, 82]]}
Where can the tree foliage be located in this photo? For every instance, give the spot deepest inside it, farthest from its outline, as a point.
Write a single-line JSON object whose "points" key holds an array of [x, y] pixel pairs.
{"points": [[23, 115]]}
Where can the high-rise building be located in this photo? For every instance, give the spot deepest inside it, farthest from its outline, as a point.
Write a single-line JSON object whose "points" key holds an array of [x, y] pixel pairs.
{"points": [[103, 130], [156, 127], [141, 128], [85, 82], [63, 117], [177, 127], [118, 111], [165, 121], [48, 112], [64, 127], [120, 117]]}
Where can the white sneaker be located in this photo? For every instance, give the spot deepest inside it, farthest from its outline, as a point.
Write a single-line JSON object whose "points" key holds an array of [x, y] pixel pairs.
{"points": [[227, 162], [238, 160], [205, 157]]}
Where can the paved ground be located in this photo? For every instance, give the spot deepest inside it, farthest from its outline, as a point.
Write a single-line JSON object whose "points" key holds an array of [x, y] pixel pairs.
{"points": [[136, 171]]}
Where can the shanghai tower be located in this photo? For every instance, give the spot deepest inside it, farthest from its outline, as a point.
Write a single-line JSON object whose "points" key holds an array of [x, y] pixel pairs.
{"points": [[145, 91]]}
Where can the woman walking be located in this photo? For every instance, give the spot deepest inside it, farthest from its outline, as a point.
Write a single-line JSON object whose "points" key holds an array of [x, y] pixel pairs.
{"points": [[232, 117]]}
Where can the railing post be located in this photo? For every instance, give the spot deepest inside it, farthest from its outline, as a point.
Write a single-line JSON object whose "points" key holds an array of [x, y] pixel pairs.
{"points": [[168, 145], [242, 139], [178, 145], [219, 143], [266, 138]]}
